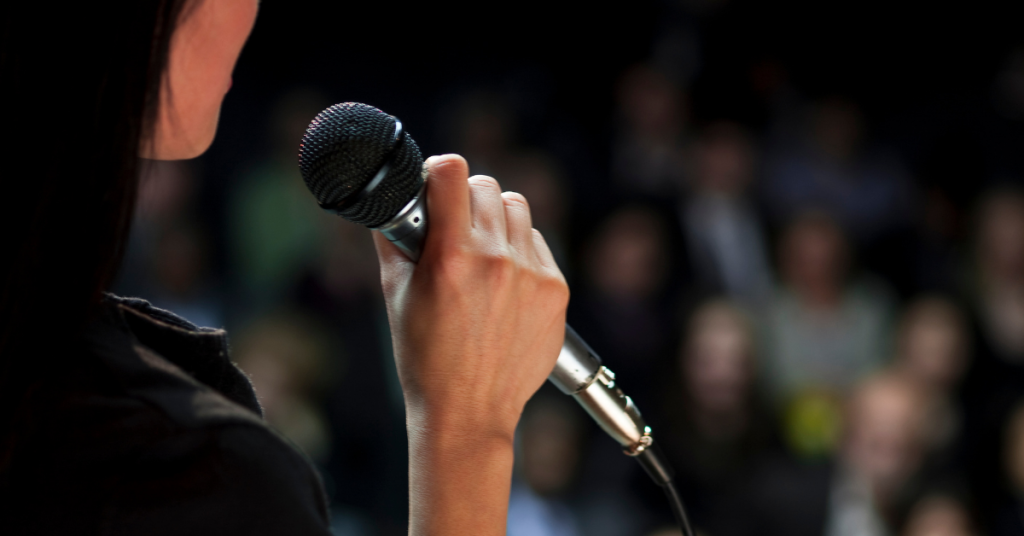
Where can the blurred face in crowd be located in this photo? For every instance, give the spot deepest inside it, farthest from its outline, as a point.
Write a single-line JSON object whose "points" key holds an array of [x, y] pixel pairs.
{"points": [[813, 259], [1001, 236], [932, 344], [484, 127], [1014, 451], [628, 258], [717, 366], [284, 358], [182, 260], [938, 516], [725, 160], [537, 178], [838, 128], [884, 432], [550, 446], [290, 119], [204, 48], [348, 264], [651, 104]]}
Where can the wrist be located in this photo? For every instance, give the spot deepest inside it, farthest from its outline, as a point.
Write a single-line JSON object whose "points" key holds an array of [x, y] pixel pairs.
{"points": [[459, 474], [453, 424]]}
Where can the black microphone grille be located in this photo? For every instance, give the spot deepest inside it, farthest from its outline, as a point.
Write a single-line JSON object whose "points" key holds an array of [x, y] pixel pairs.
{"points": [[343, 150]]}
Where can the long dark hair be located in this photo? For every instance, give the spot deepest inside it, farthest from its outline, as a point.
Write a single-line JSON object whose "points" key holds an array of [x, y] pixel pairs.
{"points": [[79, 88]]}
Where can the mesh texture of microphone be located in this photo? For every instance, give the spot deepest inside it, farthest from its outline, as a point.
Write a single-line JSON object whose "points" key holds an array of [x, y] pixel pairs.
{"points": [[342, 151]]}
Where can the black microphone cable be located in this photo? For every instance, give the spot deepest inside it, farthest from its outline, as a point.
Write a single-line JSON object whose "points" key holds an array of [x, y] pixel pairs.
{"points": [[653, 461]]}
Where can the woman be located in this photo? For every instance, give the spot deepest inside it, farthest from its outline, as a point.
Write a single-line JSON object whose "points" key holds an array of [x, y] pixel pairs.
{"points": [[120, 418]]}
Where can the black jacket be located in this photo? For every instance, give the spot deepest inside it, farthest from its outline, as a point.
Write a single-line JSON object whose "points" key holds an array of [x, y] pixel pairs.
{"points": [[152, 430]]}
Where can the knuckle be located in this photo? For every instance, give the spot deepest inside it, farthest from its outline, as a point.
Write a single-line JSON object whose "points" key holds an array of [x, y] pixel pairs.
{"points": [[555, 286], [500, 263], [560, 290], [515, 198], [452, 264], [485, 182]]}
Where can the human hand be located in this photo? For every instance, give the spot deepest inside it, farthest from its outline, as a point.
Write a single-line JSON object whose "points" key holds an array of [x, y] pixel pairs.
{"points": [[478, 322]]}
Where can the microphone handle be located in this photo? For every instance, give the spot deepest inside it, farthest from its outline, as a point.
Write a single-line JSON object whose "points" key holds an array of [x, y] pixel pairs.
{"points": [[578, 371]]}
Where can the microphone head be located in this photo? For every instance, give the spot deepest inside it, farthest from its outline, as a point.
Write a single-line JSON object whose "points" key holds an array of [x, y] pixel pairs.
{"points": [[343, 150]]}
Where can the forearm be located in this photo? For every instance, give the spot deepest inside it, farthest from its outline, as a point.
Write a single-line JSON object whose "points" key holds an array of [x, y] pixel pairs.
{"points": [[459, 477]]}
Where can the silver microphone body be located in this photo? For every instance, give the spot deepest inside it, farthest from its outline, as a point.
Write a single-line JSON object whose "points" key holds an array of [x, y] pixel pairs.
{"points": [[578, 371]]}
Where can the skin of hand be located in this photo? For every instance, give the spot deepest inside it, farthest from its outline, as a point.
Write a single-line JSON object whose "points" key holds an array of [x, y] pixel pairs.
{"points": [[205, 46], [477, 326]]}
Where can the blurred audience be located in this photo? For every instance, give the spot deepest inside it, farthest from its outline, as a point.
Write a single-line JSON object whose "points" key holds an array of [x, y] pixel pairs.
{"points": [[181, 277], [995, 381], [824, 330], [830, 168], [625, 309], [933, 351], [649, 149], [999, 284], [883, 446], [550, 442], [168, 257], [340, 287], [716, 426], [724, 234], [938, 515], [274, 225], [866, 488], [1010, 519], [288, 362]]}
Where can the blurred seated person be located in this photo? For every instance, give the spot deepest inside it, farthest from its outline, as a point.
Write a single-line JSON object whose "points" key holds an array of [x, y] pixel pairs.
{"points": [[933, 351], [274, 229], [625, 308], [823, 331], [865, 489], [648, 151], [999, 274], [716, 425], [181, 276], [994, 381], [289, 365], [1010, 518], [723, 231], [550, 441], [938, 515], [829, 168]]}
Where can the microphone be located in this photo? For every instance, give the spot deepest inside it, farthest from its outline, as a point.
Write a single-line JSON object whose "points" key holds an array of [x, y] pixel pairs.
{"points": [[360, 164]]}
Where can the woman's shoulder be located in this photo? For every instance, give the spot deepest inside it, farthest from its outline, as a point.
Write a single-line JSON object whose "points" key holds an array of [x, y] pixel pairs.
{"points": [[152, 430], [180, 369]]}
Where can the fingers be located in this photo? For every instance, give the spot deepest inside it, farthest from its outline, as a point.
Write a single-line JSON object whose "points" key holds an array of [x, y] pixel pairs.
{"points": [[387, 252], [459, 206], [448, 205], [543, 252], [395, 266], [518, 224], [487, 209]]}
